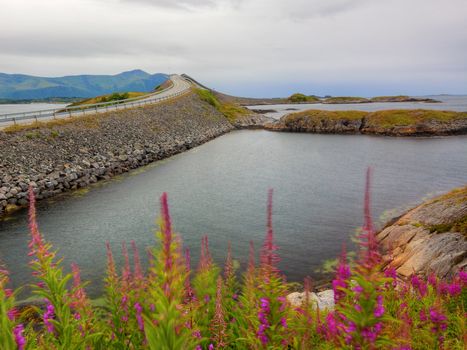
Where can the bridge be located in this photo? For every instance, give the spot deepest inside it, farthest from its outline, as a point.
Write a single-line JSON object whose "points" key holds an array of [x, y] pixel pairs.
{"points": [[180, 85]]}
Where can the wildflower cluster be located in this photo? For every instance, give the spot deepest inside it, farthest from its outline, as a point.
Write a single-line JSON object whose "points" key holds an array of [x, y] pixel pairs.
{"points": [[172, 306]]}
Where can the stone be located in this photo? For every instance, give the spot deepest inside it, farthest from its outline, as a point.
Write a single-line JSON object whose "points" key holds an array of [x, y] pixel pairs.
{"points": [[323, 300]]}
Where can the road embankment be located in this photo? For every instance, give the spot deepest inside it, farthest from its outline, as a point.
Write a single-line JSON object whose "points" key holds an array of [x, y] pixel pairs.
{"points": [[64, 155]]}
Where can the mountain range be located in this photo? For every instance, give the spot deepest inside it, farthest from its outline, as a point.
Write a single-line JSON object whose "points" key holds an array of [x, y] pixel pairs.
{"points": [[20, 86]]}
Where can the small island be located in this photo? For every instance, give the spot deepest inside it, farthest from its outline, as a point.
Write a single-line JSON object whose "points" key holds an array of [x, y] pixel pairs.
{"points": [[416, 122]]}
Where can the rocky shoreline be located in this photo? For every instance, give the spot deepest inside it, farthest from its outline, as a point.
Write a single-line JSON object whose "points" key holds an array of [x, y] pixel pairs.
{"points": [[65, 156], [431, 238], [384, 123]]}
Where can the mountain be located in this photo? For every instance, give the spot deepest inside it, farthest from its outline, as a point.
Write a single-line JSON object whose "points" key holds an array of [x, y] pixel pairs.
{"points": [[20, 86]]}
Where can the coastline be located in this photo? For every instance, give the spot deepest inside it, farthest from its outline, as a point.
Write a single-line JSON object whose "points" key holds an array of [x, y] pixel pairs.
{"points": [[61, 157]]}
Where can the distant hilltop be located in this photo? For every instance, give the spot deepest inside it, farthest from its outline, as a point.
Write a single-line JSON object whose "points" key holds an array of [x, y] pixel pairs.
{"points": [[20, 86]]}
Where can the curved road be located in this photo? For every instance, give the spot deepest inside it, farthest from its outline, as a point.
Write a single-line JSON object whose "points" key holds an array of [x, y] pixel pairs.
{"points": [[179, 87]]}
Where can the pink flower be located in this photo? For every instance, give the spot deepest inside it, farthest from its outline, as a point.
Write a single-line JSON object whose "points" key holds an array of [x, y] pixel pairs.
{"points": [[438, 319], [419, 285], [463, 277], [263, 320], [454, 289], [379, 310], [139, 317], [19, 338], [48, 316]]}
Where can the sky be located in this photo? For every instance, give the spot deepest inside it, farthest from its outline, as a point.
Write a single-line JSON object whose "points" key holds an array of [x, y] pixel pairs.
{"points": [[261, 48]]}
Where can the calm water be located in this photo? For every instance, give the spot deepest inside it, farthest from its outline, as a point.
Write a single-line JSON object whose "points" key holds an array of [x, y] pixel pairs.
{"points": [[448, 103], [28, 107], [220, 189]]}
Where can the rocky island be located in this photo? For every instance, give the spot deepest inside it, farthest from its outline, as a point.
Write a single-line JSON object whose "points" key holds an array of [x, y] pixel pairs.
{"points": [[418, 122]]}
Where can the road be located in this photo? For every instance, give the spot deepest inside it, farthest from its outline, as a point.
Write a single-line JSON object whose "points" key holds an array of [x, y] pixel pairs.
{"points": [[179, 87]]}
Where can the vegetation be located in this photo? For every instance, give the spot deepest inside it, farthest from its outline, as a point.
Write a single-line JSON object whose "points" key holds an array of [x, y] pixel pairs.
{"points": [[114, 97], [87, 121], [298, 97], [345, 99], [173, 306], [390, 118], [316, 114], [383, 119], [231, 111]]}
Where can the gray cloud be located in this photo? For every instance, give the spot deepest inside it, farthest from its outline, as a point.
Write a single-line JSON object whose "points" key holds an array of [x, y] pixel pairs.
{"points": [[261, 46]]}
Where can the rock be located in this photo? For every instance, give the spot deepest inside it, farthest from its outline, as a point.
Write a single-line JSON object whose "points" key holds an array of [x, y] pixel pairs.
{"points": [[323, 300], [117, 143], [427, 239]]}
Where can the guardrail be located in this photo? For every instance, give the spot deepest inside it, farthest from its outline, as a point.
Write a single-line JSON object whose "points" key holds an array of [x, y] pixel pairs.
{"points": [[95, 108]]}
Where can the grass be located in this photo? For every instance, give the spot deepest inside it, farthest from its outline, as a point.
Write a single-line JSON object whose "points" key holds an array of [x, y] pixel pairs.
{"points": [[298, 97], [456, 226], [107, 98], [385, 119], [89, 122], [231, 111], [316, 114], [345, 99], [404, 117]]}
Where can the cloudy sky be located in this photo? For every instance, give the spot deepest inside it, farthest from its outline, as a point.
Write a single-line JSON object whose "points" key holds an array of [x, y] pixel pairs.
{"points": [[247, 47]]}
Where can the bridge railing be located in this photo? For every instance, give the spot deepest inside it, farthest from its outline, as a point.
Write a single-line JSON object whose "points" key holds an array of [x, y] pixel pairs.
{"points": [[94, 108]]}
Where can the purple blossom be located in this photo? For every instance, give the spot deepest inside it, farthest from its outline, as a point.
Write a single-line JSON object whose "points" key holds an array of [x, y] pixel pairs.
{"points": [[211, 347], [419, 285], [284, 322], [423, 316], [438, 320], [263, 320], [48, 316], [463, 277], [19, 338], [379, 310], [342, 275], [139, 317], [197, 334], [454, 289]]}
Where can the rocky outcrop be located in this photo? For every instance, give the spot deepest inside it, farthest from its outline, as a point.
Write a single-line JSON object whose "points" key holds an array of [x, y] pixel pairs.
{"points": [[318, 126], [252, 121], [388, 122], [68, 155], [429, 239]]}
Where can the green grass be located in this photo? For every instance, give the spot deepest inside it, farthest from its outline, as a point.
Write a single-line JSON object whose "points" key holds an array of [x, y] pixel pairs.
{"points": [[345, 99], [316, 114], [404, 117], [298, 97], [384, 119], [108, 98], [230, 110]]}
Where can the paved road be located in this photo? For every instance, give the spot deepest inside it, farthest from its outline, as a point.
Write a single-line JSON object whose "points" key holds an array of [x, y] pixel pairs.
{"points": [[179, 87]]}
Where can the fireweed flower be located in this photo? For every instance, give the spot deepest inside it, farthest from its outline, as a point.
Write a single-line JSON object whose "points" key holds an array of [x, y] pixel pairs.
{"points": [[263, 320], [418, 285], [19, 338], [49, 315], [342, 275], [379, 310], [139, 316], [463, 277], [438, 320]]}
